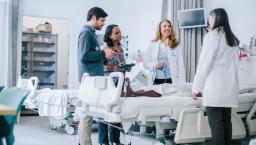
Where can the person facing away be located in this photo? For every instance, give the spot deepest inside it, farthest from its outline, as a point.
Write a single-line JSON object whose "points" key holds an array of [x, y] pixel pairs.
{"points": [[90, 60], [112, 39], [164, 58], [217, 76]]}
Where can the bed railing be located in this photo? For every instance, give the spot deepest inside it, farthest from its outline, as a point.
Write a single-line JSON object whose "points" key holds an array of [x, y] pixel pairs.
{"points": [[101, 91]]}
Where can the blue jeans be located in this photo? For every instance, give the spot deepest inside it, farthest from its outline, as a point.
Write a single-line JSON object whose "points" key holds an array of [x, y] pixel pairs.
{"points": [[114, 133]]}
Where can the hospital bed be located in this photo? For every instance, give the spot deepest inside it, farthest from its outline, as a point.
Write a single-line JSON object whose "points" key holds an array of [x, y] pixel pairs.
{"points": [[101, 99], [57, 105]]}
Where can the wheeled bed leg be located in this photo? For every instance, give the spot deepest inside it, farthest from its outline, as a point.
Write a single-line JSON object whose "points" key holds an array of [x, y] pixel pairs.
{"points": [[251, 120], [159, 130]]}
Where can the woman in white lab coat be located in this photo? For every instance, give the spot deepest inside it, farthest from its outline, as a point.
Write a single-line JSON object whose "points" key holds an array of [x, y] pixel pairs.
{"points": [[216, 76], [164, 57]]}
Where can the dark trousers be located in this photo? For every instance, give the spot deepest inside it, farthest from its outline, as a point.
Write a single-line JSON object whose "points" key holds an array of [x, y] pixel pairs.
{"points": [[161, 81], [220, 124], [114, 133], [5, 128]]}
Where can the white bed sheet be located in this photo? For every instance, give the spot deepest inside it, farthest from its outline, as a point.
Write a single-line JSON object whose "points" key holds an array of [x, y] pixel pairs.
{"points": [[174, 97], [246, 101], [68, 93], [131, 107], [247, 98], [51, 102]]}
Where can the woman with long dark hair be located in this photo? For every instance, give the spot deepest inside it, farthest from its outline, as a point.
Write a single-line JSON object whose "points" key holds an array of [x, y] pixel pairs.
{"points": [[112, 39], [217, 76]]}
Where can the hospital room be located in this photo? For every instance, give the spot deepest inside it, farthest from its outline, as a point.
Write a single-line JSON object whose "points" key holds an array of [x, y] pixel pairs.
{"points": [[128, 72]]}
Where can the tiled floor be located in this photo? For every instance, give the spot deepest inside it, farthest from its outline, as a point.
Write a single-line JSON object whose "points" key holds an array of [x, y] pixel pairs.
{"points": [[36, 131]]}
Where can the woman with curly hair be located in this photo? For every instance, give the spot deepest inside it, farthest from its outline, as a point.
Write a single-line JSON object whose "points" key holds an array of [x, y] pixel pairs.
{"points": [[164, 59]]}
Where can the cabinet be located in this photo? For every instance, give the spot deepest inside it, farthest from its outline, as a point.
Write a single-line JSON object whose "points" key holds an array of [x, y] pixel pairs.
{"points": [[39, 58]]}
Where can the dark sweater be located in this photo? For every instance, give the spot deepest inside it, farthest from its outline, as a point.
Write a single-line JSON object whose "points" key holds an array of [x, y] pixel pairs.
{"points": [[90, 57]]}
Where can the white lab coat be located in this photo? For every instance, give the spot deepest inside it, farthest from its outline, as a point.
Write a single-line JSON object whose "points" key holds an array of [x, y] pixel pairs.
{"points": [[175, 60], [217, 72]]}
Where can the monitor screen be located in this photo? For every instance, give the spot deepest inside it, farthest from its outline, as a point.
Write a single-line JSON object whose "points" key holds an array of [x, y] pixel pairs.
{"points": [[192, 18]]}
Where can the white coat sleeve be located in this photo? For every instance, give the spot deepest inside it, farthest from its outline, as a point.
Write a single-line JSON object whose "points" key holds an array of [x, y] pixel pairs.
{"points": [[181, 67], [210, 47], [148, 59]]}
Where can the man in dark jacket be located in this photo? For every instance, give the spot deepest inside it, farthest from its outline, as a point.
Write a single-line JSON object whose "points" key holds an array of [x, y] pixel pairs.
{"points": [[90, 60]]}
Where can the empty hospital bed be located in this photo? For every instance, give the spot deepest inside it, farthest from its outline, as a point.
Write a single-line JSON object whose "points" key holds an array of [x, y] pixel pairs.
{"points": [[57, 105], [101, 99]]}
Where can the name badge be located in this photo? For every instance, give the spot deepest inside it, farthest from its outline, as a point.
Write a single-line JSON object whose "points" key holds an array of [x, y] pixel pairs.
{"points": [[173, 52]]}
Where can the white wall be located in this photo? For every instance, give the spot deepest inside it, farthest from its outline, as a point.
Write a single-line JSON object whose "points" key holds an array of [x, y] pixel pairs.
{"points": [[247, 71], [241, 16], [75, 11], [136, 18], [62, 9], [60, 27]]}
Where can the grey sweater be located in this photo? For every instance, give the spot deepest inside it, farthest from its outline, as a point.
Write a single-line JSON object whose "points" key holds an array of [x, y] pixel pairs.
{"points": [[90, 57]]}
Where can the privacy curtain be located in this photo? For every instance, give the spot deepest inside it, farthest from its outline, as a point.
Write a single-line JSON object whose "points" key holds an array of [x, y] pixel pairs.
{"points": [[5, 43], [8, 41], [190, 39]]}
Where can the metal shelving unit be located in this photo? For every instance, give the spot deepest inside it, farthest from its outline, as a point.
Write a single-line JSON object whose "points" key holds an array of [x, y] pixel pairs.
{"points": [[39, 58]]}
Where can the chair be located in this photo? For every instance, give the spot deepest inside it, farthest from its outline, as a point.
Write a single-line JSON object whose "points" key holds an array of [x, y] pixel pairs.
{"points": [[12, 97]]}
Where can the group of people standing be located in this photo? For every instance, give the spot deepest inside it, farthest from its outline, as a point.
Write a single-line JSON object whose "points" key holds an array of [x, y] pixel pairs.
{"points": [[91, 59], [216, 76]]}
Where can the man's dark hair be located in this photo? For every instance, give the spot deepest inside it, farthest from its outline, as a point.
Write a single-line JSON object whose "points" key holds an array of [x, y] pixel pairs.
{"points": [[97, 12]]}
